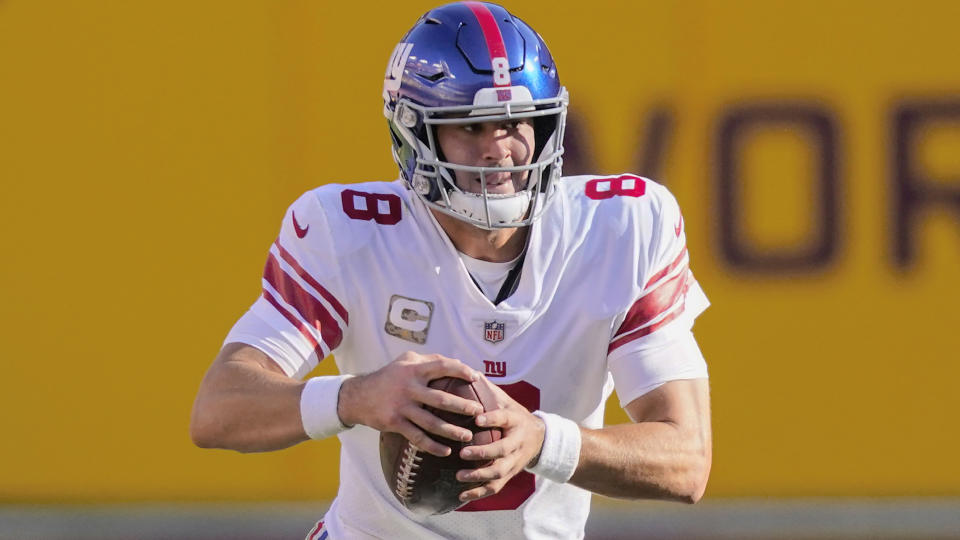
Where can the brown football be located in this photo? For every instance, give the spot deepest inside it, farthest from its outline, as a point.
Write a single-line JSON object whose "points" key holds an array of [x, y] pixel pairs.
{"points": [[427, 484]]}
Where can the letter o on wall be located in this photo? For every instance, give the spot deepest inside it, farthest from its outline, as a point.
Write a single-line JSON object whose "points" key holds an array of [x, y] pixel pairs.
{"points": [[820, 247]]}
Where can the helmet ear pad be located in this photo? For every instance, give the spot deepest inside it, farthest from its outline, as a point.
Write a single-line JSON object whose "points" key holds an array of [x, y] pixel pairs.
{"points": [[406, 155], [420, 133]]}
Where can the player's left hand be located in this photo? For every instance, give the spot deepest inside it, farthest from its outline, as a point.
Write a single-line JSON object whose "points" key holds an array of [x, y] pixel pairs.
{"points": [[522, 437]]}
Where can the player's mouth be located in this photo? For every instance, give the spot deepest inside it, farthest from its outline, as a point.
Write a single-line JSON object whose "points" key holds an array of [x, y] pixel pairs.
{"points": [[497, 183]]}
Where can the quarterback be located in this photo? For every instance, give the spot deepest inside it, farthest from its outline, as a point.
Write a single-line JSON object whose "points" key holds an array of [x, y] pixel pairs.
{"points": [[481, 262]]}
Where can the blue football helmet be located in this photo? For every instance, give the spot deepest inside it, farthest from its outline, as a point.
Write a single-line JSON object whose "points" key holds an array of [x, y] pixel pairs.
{"points": [[471, 62]]}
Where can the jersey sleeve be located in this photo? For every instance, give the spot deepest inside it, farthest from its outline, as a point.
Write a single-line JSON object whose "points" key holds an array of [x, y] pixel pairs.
{"points": [[652, 341], [300, 316]]}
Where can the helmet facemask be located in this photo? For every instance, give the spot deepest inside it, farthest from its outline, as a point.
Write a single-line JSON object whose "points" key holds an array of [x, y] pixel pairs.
{"points": [[417, 152]]}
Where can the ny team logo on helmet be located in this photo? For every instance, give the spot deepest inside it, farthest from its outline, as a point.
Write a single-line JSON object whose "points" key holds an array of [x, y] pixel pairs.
{"points": [[460, 64]]}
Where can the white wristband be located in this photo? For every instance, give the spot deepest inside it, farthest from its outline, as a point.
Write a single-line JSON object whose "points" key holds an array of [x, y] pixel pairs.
{"points": [[318, 406], [560, 453]]}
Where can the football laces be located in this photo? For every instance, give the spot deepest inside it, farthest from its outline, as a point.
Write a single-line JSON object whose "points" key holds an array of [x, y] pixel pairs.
{"points": [[408, 471]]}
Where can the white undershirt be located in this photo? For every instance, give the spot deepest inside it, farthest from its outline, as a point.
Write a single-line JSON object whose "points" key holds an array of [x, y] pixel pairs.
{"points": [[488, 275]]}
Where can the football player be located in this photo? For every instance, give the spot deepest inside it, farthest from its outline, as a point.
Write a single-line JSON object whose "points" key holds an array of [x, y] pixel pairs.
{"points": [[481, 262]]}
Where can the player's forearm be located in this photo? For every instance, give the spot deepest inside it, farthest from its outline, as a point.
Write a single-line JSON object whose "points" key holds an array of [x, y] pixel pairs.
{"points": [[647, 460], [242, 407]]}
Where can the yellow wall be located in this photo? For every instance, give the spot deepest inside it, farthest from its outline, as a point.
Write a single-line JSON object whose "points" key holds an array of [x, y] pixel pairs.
{"points": [[148, 150]]}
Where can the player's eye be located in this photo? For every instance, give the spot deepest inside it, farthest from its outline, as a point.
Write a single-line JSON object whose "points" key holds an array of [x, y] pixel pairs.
{"points": [[513, 125]]}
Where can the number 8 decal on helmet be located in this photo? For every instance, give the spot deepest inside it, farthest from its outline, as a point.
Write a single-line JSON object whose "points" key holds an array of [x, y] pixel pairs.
{"points": [[501, 72]]}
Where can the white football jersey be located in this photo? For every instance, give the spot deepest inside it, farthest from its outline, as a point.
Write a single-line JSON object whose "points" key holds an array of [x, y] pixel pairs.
{"points": [[363, 271]]}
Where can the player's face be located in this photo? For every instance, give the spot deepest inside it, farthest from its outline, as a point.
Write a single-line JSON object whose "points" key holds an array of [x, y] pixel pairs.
{"points": [[506, 143]]}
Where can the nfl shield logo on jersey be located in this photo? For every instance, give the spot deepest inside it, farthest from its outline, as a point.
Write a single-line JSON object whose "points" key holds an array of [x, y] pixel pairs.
{"points": [[493, 331]]}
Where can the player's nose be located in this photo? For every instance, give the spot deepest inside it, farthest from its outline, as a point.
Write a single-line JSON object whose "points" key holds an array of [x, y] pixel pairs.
{"points": [[496, 145]]}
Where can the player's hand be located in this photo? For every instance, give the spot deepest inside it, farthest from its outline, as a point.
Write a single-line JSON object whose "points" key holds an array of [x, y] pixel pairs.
{"points": [[392, 399], [521, 440]]}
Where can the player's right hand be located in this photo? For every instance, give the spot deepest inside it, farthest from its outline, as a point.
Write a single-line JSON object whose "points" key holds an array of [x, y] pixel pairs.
{"points": [[392, 399]]}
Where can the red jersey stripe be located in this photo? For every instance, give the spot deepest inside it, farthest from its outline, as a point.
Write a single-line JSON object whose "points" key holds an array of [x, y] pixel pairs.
{"points": [[296, 323], [670, 268], [619, 342], [491, 32], [309, 307], [649, 306], [678, 310], [313, 282]]}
